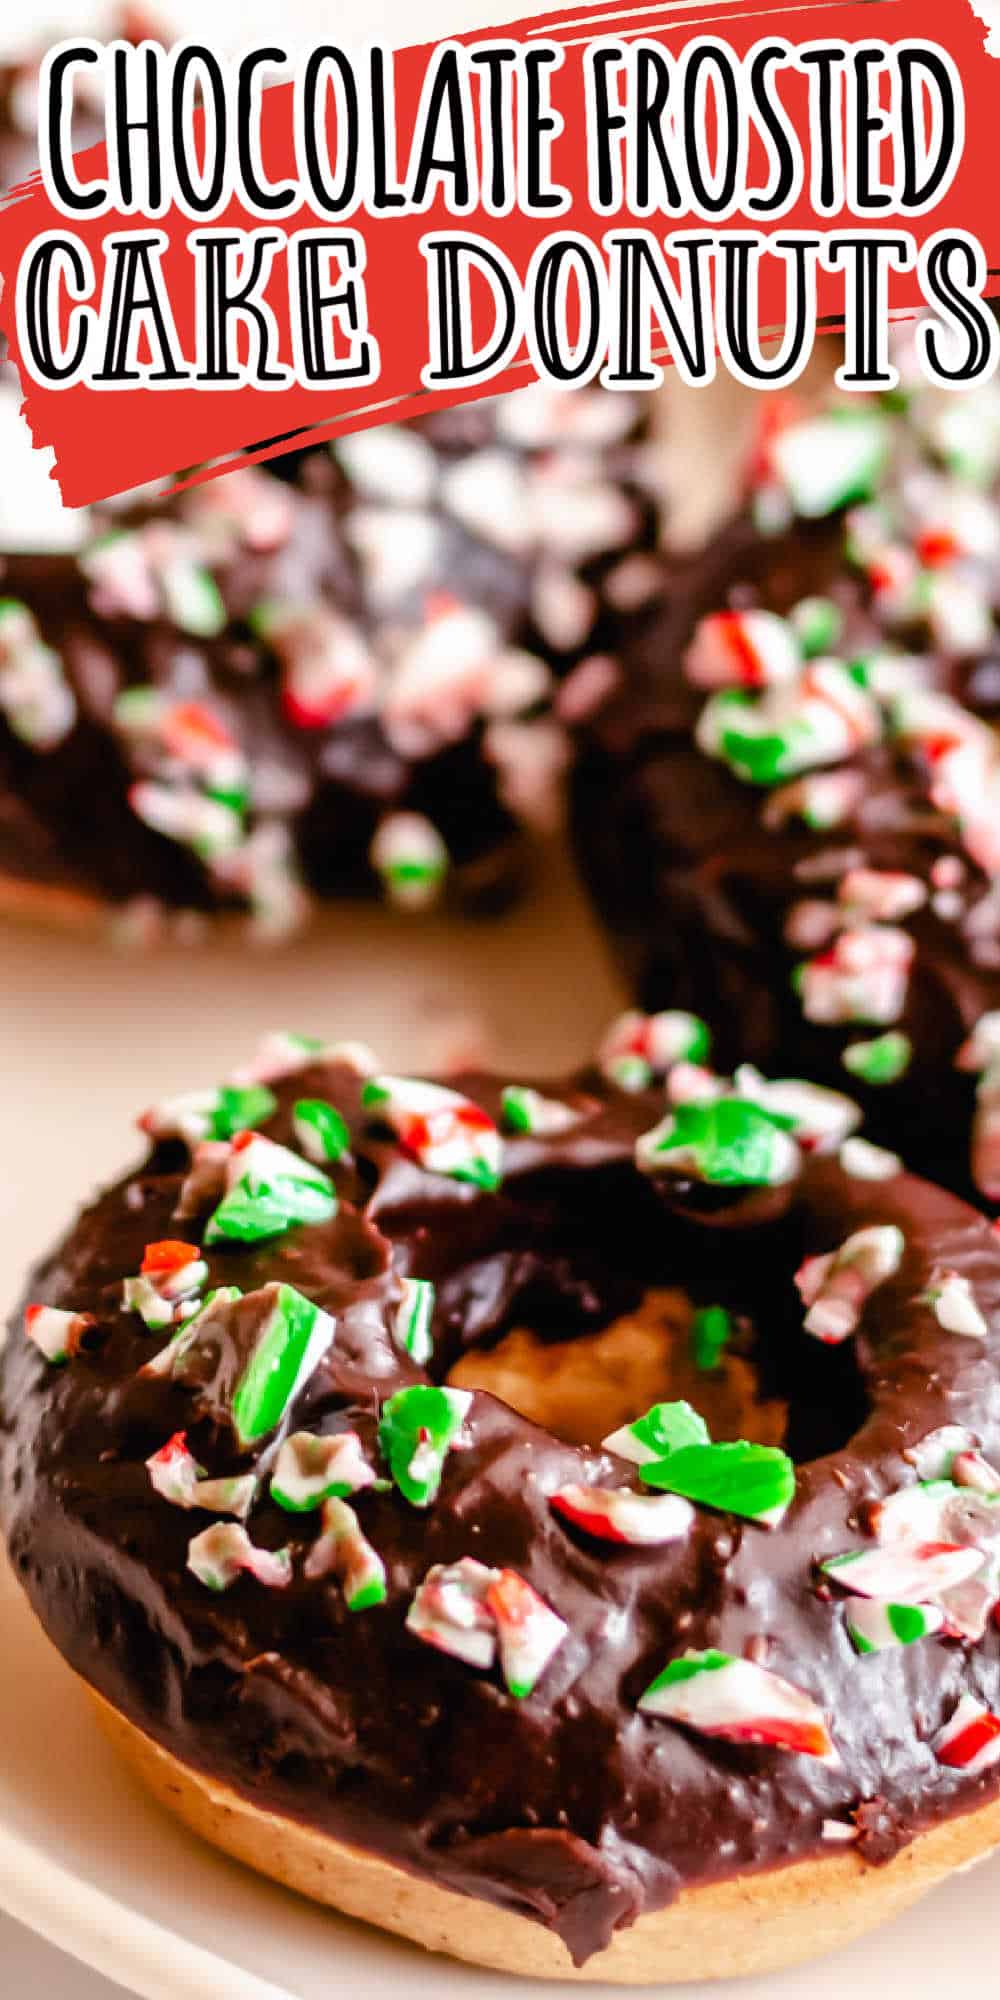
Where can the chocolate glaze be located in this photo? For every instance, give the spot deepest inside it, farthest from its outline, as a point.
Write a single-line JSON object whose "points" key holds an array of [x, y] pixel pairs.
{"points": [[696, 889], [65, 815], [569, 1806]]}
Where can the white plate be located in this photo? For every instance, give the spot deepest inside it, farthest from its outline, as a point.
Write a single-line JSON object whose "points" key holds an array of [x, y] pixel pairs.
{"points": [[90, 1863]]}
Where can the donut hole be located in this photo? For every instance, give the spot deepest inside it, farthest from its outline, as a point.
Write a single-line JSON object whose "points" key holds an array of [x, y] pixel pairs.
{"points": [[585, 1387], [589, 1350]]}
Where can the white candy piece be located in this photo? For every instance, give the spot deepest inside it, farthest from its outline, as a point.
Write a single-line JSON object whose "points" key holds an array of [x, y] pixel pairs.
{"points": [[865, 1162], [952, 1301], [741, 1702], [971, 1740], [836, 1287]]}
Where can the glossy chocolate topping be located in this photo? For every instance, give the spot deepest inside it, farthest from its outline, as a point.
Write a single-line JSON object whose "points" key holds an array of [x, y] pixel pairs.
{"points": [[570, 1804]]}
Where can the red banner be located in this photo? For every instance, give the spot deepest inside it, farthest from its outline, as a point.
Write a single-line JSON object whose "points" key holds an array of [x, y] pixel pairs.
{"points": [[364, 290]]}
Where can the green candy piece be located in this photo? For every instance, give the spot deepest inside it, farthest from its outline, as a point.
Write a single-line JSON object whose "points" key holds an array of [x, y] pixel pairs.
{"points": [[729, 1143], [239, 1108], [689, 1666], [710, 1332], [669, 1427], [761, 757], [417, 1429], [754, 1480], [291, 1344], [194, 600], [276, 1191], [320, 1129], [906, 1623], [817, 623], [882, 1060]]}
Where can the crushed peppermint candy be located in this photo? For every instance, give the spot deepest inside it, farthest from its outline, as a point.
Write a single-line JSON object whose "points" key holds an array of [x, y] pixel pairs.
{"points": [[743, 649], [731, 1142], [529, 1632], [821, 718], [277, 1339], [35, 696], [409, 855], [829, 461], [711, 1331], [951, 1300], [328, 670], [268, 1190], [171, 1276], [413, 1319], [209, 1114], [444, 1132], [282, 1053], [176, 1476], [342, 1548], [291, 1342], [880, 895], [467, 1610], [152, 572], [527, 1110], [934, 1455], [822, 800], [665, 1428], [615, 1514], [220, 1554], [57, 1334], [718, 1695], [904, 1572], [818, 1118], [756, 1481], [210, 827], [981, 1049], [862, 976], [883, 1060], [877, 1624], [817, 623], [837, 1285], [418, 1428], [309, 1470], [638, 1047], [321, 1131], [866, 1162], [985, 1144], [449, 1611], [971, 1740]]}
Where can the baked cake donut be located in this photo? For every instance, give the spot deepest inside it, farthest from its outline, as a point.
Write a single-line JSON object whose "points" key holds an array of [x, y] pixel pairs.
{"points": [[262, 690], [788, 807], [611, 1708]]}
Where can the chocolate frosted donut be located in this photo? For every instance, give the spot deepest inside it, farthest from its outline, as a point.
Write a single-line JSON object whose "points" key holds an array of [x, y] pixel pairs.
{"points": [[391, 1641], [789, 808], [261, 689]]}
